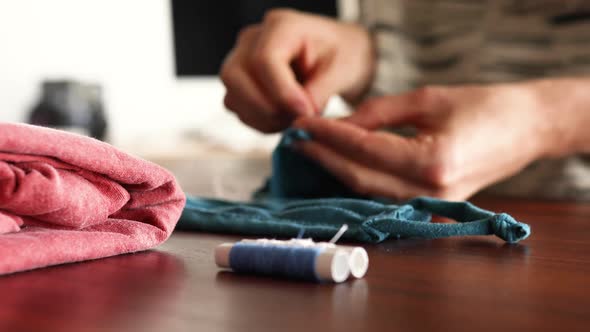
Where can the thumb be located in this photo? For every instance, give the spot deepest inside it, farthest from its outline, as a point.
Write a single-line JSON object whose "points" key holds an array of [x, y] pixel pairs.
{"points": [[322, 85], [394, 110]]}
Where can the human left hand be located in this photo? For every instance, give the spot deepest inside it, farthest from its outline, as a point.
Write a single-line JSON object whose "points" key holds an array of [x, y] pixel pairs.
{"points": [[468, 138]]}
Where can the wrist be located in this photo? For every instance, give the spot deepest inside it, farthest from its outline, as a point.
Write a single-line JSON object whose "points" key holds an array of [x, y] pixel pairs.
{"points": [[562, 108]]}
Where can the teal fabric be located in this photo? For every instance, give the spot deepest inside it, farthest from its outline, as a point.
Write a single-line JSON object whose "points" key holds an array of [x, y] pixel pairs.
{"points": [[368, 221], [295, 176], [301, 196]]}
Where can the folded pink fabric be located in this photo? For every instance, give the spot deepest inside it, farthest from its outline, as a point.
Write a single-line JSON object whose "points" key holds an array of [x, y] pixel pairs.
{"points": [[67, 198]]}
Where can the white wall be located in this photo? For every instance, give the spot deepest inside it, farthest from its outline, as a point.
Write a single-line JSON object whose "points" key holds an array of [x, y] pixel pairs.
{"points": [[126, 46]]}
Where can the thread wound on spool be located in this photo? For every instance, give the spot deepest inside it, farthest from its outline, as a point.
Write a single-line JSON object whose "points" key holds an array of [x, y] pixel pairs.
{"points": [[295, 258], [274, 260]]}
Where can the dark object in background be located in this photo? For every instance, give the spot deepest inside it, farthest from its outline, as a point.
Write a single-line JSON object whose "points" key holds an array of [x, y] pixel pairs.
{"points": [[205, 31], [71, 106]]}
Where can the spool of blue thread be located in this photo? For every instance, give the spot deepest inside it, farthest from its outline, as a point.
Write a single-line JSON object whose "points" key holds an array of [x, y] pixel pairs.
{"points": [[295, 259]]}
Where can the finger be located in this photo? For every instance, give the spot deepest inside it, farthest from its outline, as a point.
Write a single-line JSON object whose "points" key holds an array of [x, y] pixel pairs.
{"points": [[405, 157], [246, 94], [322, 84], [276, 49], [256, 119], [360, 178], [244, 98], [395, 110], [243, 95], [236, 61], [382, 112]]}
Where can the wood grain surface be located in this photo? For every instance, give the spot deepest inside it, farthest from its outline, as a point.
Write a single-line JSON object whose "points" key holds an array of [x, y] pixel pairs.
{"points": [[459, 284]]}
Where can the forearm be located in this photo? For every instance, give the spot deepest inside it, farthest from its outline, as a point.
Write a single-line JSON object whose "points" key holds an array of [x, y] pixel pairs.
{"points": [[564, 106]]}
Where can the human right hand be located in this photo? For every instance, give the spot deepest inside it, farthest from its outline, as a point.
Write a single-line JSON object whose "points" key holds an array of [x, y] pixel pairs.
{"points": [[468, 137], [291, 64]]}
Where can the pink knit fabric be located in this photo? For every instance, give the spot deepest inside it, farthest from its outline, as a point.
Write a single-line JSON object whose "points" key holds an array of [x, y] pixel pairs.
{"points": [[67, 198]]}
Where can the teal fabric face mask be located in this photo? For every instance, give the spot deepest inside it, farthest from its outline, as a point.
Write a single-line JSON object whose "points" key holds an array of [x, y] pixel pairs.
{"points": [[300, 196]]}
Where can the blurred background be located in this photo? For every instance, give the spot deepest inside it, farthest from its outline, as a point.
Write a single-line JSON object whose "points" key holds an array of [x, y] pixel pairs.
{"points": [[147, 69]]}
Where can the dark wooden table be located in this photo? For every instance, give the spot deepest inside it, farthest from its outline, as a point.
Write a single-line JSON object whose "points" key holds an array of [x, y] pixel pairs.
{"points": [[473, 284]]}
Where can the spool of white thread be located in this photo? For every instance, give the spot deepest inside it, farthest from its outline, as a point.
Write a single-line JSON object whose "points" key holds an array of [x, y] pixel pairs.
{"points": [[358, 260]]}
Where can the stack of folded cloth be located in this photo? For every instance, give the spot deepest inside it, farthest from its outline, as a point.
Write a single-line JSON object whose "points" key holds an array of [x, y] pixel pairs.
{"points": [[67, 198]]}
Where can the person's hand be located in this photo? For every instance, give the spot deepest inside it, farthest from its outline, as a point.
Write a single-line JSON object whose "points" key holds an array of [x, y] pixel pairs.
{"points": [[468, 138], [290, 64]]}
